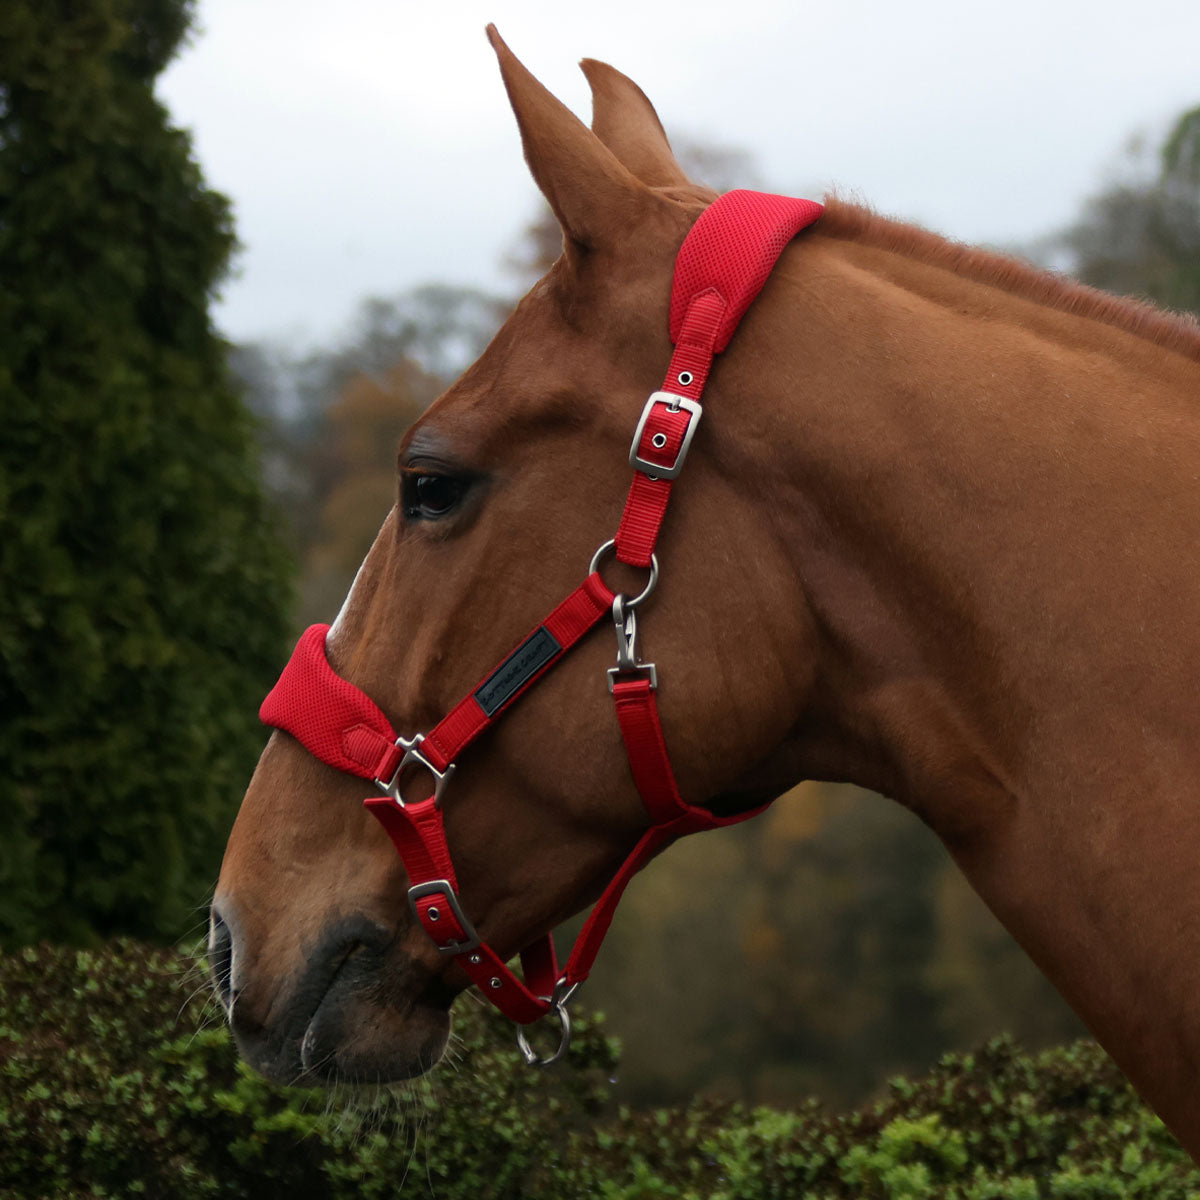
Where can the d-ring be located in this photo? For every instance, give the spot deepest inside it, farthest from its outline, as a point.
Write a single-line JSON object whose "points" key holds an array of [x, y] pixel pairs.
{"points": [[563, 991], [651, 583], [531, 1056]]}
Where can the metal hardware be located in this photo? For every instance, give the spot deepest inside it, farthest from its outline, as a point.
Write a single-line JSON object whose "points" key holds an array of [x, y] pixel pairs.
{"points": [[475, 960], [647, 669], [651, 583], [685, 378], [625, 624], [434, 914], [441, 887], [673, 403], [412, 754], [658, 441], [558, 1005], [494, 982]]}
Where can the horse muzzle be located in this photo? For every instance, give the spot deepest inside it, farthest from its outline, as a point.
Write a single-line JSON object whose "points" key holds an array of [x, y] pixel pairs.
{"points": [[352, 1008]]}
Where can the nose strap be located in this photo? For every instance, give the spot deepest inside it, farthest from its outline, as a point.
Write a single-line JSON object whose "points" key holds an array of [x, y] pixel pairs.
{"points": [[330, 717], [342, 726]]}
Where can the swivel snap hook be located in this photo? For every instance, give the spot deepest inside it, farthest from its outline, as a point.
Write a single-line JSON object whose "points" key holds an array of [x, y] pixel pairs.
{"points": [[625, 623], [628, 663]]}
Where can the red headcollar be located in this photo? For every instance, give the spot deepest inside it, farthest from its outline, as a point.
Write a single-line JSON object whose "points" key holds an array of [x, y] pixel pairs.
{"points": [[722, 265]]}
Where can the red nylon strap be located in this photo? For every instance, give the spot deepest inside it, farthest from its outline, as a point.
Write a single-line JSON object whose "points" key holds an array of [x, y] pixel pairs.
{"points": [[419, 835], [673, 817], [722, 265], [589, 603], [646, 749], [339, 724], [591, 936]]}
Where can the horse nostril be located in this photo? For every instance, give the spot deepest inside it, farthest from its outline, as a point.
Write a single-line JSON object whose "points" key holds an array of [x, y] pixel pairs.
{"points": [[220, 959]]}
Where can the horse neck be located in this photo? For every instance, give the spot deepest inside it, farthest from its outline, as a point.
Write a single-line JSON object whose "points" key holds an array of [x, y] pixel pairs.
{"points": [[995, 523]]}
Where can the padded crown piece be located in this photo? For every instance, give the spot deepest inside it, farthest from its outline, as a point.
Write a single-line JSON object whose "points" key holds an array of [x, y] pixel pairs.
{"points": [[731, 249]]}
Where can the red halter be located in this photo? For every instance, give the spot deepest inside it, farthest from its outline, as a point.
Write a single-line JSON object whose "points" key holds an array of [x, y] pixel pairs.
{"points": [[722, 266]]}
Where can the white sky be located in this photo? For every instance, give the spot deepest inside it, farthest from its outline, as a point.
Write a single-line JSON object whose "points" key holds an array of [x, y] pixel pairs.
{"points": [[368, 145]]}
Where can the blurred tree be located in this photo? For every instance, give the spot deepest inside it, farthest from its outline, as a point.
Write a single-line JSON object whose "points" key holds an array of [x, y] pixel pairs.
{"points": [[363, 429], [332, 419], [439, 328], [818, 949], [142, 588], [1141, 236]]}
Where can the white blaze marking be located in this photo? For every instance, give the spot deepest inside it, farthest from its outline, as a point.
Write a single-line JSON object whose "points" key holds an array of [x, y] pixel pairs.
{"points": [[345, 603]]}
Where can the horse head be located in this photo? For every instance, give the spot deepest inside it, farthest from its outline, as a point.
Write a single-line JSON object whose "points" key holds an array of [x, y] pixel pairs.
{"points": [[505, 487]]}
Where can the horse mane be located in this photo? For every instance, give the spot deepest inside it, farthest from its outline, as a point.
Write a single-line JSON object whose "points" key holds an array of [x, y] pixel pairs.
{"points": [[1179, 332]]}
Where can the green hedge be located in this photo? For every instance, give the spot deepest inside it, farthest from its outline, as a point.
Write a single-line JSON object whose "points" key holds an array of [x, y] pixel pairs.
{"points": [[112, 1084]]}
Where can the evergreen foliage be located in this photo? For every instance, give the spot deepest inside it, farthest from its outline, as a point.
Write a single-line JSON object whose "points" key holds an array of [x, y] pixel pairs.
{"points": [[141, 586], [110, 1086]]}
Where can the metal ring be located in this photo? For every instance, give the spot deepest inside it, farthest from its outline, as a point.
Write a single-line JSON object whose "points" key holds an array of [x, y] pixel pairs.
{"points": [[651, 583], [531, 1056]]}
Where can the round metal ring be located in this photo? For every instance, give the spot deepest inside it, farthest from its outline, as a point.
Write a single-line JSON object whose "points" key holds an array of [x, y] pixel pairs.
{"points": [[531, 1056], [651, 583]]}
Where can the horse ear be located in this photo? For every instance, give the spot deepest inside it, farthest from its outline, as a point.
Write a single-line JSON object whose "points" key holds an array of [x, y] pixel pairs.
{"points": [[595, 198], [625, 121]]}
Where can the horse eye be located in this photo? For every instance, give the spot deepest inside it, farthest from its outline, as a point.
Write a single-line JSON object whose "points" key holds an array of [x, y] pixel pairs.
{"points": [[427, 497]]}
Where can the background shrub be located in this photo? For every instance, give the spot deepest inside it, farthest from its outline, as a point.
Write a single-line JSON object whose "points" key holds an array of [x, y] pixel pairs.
{"points": [[113, 1085]]}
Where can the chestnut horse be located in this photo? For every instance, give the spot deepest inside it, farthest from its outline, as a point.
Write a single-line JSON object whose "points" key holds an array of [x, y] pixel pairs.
{"points": [[937, 536]]}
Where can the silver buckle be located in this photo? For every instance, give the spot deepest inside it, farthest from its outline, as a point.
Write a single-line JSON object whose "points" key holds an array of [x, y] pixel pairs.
{"points": [[442, 887], [674, 402], [412, 754]]}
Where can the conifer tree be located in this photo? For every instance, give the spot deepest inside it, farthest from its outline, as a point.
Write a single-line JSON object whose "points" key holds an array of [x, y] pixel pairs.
{"points": [[142, 588]]}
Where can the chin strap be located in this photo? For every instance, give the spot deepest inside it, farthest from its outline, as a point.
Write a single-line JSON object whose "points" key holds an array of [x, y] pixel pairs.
{"points": [[722, 265]]}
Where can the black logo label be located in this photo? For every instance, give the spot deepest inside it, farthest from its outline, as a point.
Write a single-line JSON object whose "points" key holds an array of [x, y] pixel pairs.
{"points": [[516, 670]]}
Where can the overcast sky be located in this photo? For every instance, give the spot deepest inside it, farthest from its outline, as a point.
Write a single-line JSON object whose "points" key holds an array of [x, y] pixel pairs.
{"points": [[368, 145]]}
